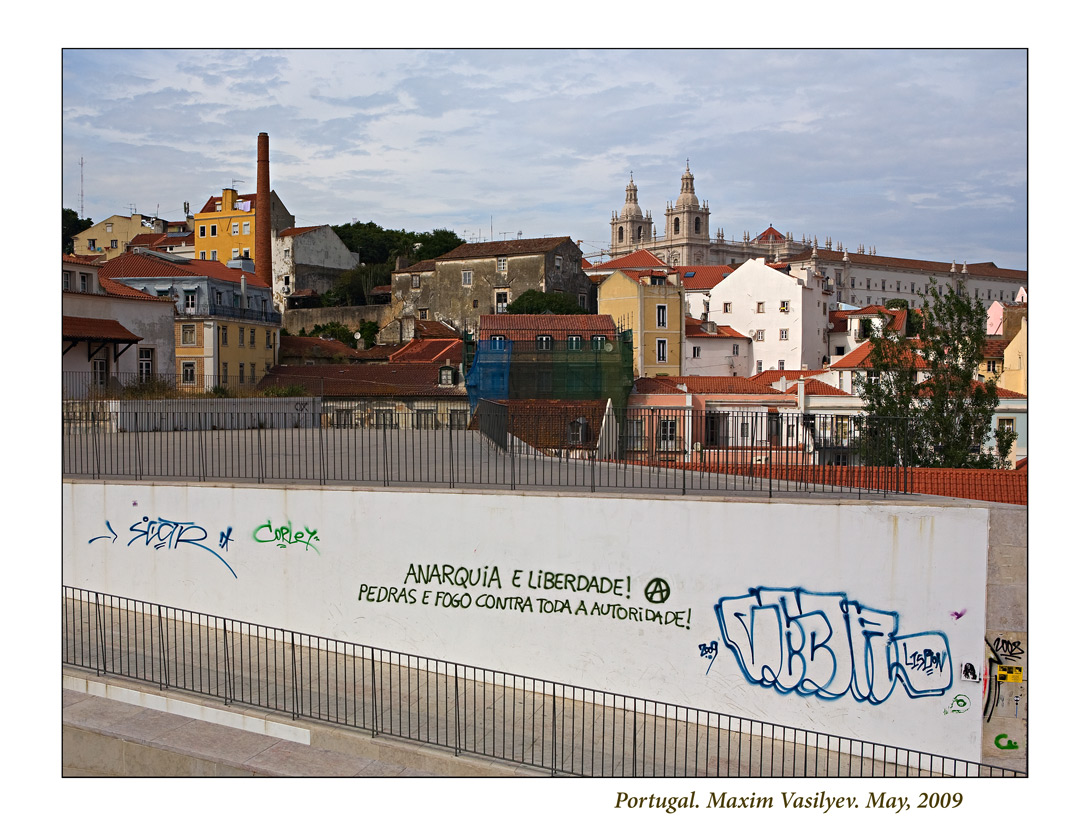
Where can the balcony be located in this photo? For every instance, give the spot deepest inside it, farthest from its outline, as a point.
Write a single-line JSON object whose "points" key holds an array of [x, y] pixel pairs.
{"points": [[223, 311]]}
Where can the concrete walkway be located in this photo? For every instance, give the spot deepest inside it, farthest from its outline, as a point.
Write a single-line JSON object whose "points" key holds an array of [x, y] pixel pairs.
{"points": [[118, 728]]}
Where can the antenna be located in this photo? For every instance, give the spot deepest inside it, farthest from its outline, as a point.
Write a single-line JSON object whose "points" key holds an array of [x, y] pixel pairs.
{"points": [[81, 186], [236, 181]]}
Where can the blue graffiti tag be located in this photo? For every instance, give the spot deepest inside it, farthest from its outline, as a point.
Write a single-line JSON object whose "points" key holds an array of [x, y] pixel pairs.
{"points": [[711, 651], [825, 645], [167, 533]]}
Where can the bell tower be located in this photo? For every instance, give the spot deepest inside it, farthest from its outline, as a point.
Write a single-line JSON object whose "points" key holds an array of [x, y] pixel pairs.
{"points": [[631, 229], [687, 234]]}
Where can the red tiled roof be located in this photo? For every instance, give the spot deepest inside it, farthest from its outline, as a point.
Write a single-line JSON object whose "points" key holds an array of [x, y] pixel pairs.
{"points": [[119, 290], [210, 204], [770, 234], [288, 233], [546, 423], [380, 352], [313, 347], [146, 239], [526, 327], [76, 328], [702, 384], [433, 329], [817, 388], [898, 316], [82, 260], [693, 330], [430, 350], [702, 277], [994, 348], [135, 265], [368, 380], [859, 359], [839, 320], [638, 260], [427, 265], [770, 377], [983, 270], [519, 246]]}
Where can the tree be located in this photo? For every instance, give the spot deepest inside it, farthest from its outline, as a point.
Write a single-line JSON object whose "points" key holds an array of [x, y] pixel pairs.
{"points": [[71, 225], [946, 419], [534, 302]]}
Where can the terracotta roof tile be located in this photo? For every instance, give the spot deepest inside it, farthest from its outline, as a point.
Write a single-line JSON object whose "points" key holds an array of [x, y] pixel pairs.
{"points": [[693, 329], [368, 380], [77, 328], [293, 231], [546, 423], [737, 385], [702, 277], [638, 260], [859, 359], [526, 327], [983, 270], [314, 347], [769, 377], [135, 265], [430, 350]]}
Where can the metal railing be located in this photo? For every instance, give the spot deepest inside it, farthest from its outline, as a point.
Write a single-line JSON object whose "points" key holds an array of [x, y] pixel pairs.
{"points": [[557, 727], [212, 436]]}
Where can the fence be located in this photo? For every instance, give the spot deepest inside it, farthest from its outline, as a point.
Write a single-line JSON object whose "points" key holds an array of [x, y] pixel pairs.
{"points": [[561, 728], [509, 445]]}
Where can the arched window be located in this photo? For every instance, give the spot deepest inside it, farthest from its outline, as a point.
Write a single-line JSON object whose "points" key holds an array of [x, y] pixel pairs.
{"points": [[639, 233], [620, 234], [677, 226], [696, 226]]}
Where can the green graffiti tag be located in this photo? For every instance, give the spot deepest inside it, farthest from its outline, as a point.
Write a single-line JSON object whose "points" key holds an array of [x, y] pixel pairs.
{"points": [[284, 536]]}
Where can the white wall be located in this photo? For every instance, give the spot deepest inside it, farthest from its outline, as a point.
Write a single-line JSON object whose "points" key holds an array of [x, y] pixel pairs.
{"points": [[918, 572]]}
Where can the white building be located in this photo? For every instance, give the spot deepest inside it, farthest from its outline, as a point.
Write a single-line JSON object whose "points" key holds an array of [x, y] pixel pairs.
{"points": [[308, 258], [784, 314]]}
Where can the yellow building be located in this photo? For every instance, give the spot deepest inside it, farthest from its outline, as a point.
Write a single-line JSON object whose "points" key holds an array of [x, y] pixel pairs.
{"points": [[226, 226], [1015, 374], [650, 304], [108, 238]]}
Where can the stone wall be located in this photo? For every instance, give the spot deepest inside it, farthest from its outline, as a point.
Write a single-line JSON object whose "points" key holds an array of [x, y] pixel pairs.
{"points": [[350, 317]]}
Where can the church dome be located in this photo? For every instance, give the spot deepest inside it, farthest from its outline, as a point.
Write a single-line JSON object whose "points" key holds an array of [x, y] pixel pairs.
{"points": [[687, 198], [631, 205]]}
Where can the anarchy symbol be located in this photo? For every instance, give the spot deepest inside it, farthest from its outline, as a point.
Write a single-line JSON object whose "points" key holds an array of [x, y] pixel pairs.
{"points": [[657, 590]]}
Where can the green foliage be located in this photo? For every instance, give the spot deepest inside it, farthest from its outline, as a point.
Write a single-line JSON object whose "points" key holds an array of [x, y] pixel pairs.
{"points": [[368, 332], [71, 225], [533, 302], [155, 387], [280, 391], [946, 419], [334, 329]]}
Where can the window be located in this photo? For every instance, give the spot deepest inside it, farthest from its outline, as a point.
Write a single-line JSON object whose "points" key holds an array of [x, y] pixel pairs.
{"points": [[785, 306], [109, 227], [145, 363], [91, 244], [634, 434], [241, 336], [577, 431], [544, 342], [66, 280], [467, 278], [780, 365], [212, 231], [446, 376], [202, 255], [598, 342], [677, 226], [386, 419], [667, 434], [459, 419], [839, 351], [423, 314], [83, 282], [991, 365], [783, 335], [1006, 426], [734, 349], [557, 260], [498, 342], [760, 366], [582, 301], [223, 371], [660, 350], [223, 335], [287, 283], [245, 227], [201, 231], [241, 373], [253, 372], [424, 419], [620, 234], [760, 306], [268, 339], [696, 352], [189, 372], [660, 315], [113, 243], [726, 306], [476, 303], [234, 252], [501, 302], [658, 280], [189, 335], [575, 342], [253, 337], [415, 282], [696, 225], [190, 301], [501, 264], [759, 335]]}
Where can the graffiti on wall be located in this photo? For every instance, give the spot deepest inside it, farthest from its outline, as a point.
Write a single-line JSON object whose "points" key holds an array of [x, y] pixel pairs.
{"points": [[176, 535], [827, 646], [1001, 653], [170, 534], [529, 591]]}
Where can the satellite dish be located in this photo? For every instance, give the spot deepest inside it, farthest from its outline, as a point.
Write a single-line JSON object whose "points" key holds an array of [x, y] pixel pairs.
{"points": [[356, 335], [609, 346]]}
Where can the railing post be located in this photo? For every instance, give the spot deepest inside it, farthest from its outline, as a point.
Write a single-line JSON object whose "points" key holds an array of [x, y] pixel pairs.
{"points": [[100, 622], [164, 674], [457, 715], [296, 701], [229, 692], [554, 730], [450, 446]]}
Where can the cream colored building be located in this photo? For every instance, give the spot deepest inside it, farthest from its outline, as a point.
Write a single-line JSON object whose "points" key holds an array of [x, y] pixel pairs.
{"points": [[109, 237], [652, 305]]}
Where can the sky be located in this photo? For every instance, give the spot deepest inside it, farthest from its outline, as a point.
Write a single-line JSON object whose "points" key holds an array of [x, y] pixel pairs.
{"points": [[916, 153]]}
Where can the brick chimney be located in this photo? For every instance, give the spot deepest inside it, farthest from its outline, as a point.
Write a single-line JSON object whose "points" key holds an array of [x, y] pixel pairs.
{"points": [[263, 249]]}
